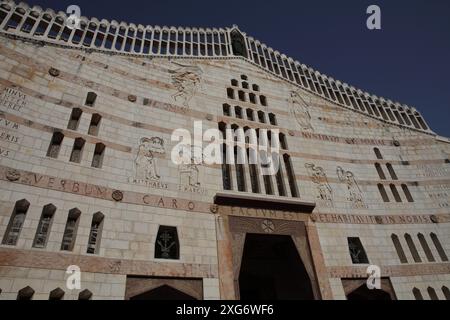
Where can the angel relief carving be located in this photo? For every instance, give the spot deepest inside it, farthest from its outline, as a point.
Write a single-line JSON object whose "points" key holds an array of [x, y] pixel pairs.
{"points": [[300, 111], [186, 80], [318, 177], [146, 168], [354, 192]]}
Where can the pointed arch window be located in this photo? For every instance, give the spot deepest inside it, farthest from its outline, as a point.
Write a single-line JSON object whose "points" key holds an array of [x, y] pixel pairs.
{"points": [[425, 247], [94, 126], [226, 171], [446, 292], [252, 98], [234, 83], [16, 223], [96, 233], [74, 120], [238, 112], [395, 193], [383, 193], [55, 145], [253, 170], [439, 247], [380, 171], [250, 115], [99, 152], [26, 293], [399, 248], [240, 172], [417, 294], [70, 231], [167, 245], [407, 193], [391, 171], [432, 293], [272, 119], [56, 294], [85, 295], [263, 100], [77, 150], [230, 93], [44, 227], [241, 95], [412, 248], [283, 141], [261, 117], [226, 110], [255, 87]]}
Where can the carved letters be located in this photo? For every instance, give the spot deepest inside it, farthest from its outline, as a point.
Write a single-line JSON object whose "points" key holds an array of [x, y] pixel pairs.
{"points": [[12, 99]]}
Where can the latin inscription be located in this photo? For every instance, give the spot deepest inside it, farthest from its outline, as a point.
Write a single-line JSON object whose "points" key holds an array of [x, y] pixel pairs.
{"points": [[354, 219], [12, 99], [440, 194]]}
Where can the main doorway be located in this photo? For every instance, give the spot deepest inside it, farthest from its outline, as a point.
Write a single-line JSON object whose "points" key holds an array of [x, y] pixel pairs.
{"points": [[272, 269]]}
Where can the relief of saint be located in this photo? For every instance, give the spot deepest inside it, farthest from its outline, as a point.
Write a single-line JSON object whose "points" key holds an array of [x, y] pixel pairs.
{"points": [[300, 111], [186, 80], [354, 192], [146, 167], [319, 177]]}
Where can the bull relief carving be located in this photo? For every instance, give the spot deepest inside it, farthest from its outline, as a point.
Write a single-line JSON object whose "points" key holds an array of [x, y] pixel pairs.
{"points": [[186, 80], [319, 178], [146, 166], [354, 191], [300, 111]]}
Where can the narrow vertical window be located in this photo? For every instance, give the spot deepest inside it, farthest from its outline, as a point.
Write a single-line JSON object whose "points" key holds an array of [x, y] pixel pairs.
{"points": [[167, 245], [261, 117], [226, 172], [291, 176], [77, 150], [96, 233], [283, 141], [44, 226], [407, 193], [432, 293], [255, 87], [99, 152], [245, 85], [272, 119], [94, 126], [70, 231], [238, 112], [26, 293], [280, 182], [241, 95], [268, 184], [252, 98], [16, 223], [439, 247], [250, 115], [263, 100], [378, 153], [391, 171], [357, 252], [55, 145], [395, 193], [74, 120], [425, 247], [240, 174], [417, 294], [383, 193], [399, 248], [412, 248], [380, 171], [90, 99], [446, 292], [226, 110], [230, 93], [56, 294], [253, 174]]}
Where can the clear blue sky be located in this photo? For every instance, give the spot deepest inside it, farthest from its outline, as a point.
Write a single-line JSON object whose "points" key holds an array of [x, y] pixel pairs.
{"points": [[407, 61]]}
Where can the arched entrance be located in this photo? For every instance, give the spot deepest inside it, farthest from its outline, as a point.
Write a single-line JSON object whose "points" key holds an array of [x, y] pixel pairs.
{"points": [[272, 269], [364, 293], [163, 293]]}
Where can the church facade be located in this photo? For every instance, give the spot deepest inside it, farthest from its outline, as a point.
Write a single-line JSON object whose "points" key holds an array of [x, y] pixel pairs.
{"points": [[92, 205]]}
